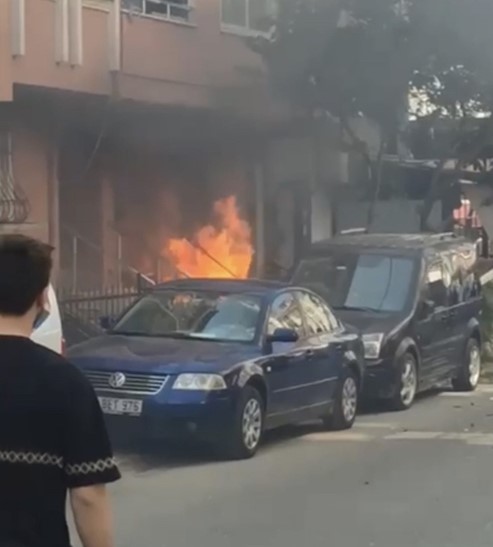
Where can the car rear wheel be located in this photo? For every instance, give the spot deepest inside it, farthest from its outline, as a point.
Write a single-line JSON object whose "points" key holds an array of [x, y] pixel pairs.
{"points": [[346, 402], [407, 386], [470, 372], [246, 433]]}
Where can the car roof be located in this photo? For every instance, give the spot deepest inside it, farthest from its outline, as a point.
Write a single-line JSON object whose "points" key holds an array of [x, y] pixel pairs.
{"points": [[258, 286], [394, 242]]}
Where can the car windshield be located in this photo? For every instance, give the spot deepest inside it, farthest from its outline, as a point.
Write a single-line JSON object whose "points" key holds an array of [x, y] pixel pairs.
{"points": [[193, 314], [365, 282]]}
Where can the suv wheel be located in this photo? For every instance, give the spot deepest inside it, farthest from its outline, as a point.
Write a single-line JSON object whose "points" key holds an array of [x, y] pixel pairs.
{"points": [[408, 383], [246, 433], [346, 402], [470, 372]]}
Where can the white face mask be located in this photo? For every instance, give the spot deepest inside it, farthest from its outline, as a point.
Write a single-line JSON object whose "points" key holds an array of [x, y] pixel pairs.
{"points": [[40, 318], [42, 314]]}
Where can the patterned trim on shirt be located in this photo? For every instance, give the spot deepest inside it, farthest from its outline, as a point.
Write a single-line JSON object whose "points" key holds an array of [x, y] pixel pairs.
{"points": [[87, 468], [31, 458]]}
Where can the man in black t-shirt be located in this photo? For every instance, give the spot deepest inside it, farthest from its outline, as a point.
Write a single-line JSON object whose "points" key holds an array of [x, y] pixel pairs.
{"points": [[52, 434]]}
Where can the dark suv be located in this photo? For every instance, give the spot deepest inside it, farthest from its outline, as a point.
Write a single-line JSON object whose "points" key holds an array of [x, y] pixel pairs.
{"points": [[417, 300]]}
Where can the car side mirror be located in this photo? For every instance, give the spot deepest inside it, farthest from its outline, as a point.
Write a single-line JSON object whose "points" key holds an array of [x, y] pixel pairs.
{"points": [[106, 322], [285, 336]]}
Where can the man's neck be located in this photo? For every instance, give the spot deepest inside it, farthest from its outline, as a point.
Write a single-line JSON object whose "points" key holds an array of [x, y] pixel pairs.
{"points": [[15, 326]]}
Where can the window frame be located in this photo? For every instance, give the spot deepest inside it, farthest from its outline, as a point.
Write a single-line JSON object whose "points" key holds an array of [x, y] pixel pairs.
{"points": [[168, 17], [240, 30]]}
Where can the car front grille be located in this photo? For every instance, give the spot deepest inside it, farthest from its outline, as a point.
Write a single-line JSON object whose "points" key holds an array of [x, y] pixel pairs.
{"points": [[133, 384]]}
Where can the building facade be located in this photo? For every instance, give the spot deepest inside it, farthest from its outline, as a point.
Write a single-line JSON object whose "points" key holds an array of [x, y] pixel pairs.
{"points": [[109, 107]]}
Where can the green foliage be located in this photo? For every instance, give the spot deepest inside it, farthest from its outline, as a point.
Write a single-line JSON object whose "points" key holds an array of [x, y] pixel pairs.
{"points": [[366, 57]]}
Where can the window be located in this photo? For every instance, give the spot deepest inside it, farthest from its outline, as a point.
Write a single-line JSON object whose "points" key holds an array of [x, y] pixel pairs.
{"points": [[318, 317], [248, 16], [199, 315], [366, 281], [97, 3], [285, 314], [437, 284], [167, 9], [465, 282]]}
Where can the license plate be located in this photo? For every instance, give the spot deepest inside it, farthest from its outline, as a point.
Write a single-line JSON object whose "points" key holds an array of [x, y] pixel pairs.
{"points": [[111, 405]]}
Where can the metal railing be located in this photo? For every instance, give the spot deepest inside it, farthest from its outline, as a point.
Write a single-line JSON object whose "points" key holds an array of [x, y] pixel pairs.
{"points": [[82, 311], [78, 275], [14, 204]]}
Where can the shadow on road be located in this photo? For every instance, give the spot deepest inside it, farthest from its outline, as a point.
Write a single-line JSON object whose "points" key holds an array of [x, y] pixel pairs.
{"points": [[144, 456]]}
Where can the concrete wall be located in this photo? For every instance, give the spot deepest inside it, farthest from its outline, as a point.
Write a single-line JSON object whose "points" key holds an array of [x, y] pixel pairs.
{"points": [[300, 174]]}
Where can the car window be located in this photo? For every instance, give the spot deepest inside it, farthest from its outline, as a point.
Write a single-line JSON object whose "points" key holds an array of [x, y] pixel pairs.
{"points": [[197, 314], [437, 283], [465, 285], [318, 317], [370, 281], [285, 313]]}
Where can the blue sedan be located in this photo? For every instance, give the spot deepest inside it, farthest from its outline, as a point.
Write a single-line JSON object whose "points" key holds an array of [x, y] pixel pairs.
{"points": [[225, 360]]}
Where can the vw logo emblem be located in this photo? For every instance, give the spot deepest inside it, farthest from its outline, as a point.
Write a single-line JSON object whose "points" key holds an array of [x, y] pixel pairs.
{"points": [[117, 380]]}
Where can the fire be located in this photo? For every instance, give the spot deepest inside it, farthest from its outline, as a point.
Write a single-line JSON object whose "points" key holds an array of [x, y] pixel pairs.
{"points": [[222, 249]]}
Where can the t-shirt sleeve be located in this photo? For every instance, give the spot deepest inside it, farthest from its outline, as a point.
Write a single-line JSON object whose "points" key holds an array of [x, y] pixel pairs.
{"points": [[88, 457]]}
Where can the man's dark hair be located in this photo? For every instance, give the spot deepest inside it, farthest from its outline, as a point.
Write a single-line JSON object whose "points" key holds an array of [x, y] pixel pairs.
{"points": [[25, 268]]}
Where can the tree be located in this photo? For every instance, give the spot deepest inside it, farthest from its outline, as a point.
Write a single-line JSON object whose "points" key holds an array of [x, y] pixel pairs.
{"points": [[392, 62]]}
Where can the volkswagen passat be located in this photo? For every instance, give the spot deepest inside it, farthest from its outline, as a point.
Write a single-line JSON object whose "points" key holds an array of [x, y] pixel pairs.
{"points": [[224, 361]]}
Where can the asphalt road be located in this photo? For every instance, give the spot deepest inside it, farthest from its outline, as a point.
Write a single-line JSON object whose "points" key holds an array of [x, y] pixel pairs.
{"points": [[420, 478]]}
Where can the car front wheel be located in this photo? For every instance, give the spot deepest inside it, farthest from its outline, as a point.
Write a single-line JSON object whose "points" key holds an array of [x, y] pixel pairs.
{"points": [[407, 386], [346, 402], [246, 433]]}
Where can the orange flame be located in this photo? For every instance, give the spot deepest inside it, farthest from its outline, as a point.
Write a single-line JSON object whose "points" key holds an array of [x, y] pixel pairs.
{"points": [[223, 250]]}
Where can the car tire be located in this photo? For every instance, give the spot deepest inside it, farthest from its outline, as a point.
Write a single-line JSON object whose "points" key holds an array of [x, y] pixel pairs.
{"points": [[346, 403], [407, 385], [470, 372], [246, 433]]}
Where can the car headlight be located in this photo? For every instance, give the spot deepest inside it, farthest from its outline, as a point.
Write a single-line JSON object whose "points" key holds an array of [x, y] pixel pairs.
{"points": [[200, 382], [373, 344]]}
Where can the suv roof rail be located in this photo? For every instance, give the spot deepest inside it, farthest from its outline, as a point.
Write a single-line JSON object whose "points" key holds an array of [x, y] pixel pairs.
{"points": [[352, 231], [444, 236], [448, 235]]}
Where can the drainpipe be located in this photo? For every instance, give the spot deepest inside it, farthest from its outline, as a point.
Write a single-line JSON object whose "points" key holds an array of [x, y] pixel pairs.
{"points": [[61, 32], [18, 28], [75, 32], [115, 53]]}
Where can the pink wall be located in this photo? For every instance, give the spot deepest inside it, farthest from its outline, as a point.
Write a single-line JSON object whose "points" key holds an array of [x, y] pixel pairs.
{"points": [[162, 61], [5, 75]]}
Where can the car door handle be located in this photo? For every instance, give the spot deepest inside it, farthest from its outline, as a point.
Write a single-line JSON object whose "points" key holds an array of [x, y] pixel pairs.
{"points": [[444, 318], [309, 353]]}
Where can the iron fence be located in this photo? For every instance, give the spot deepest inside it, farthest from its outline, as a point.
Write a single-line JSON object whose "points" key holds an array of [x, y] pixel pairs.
{"points": [[82, 311]]}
